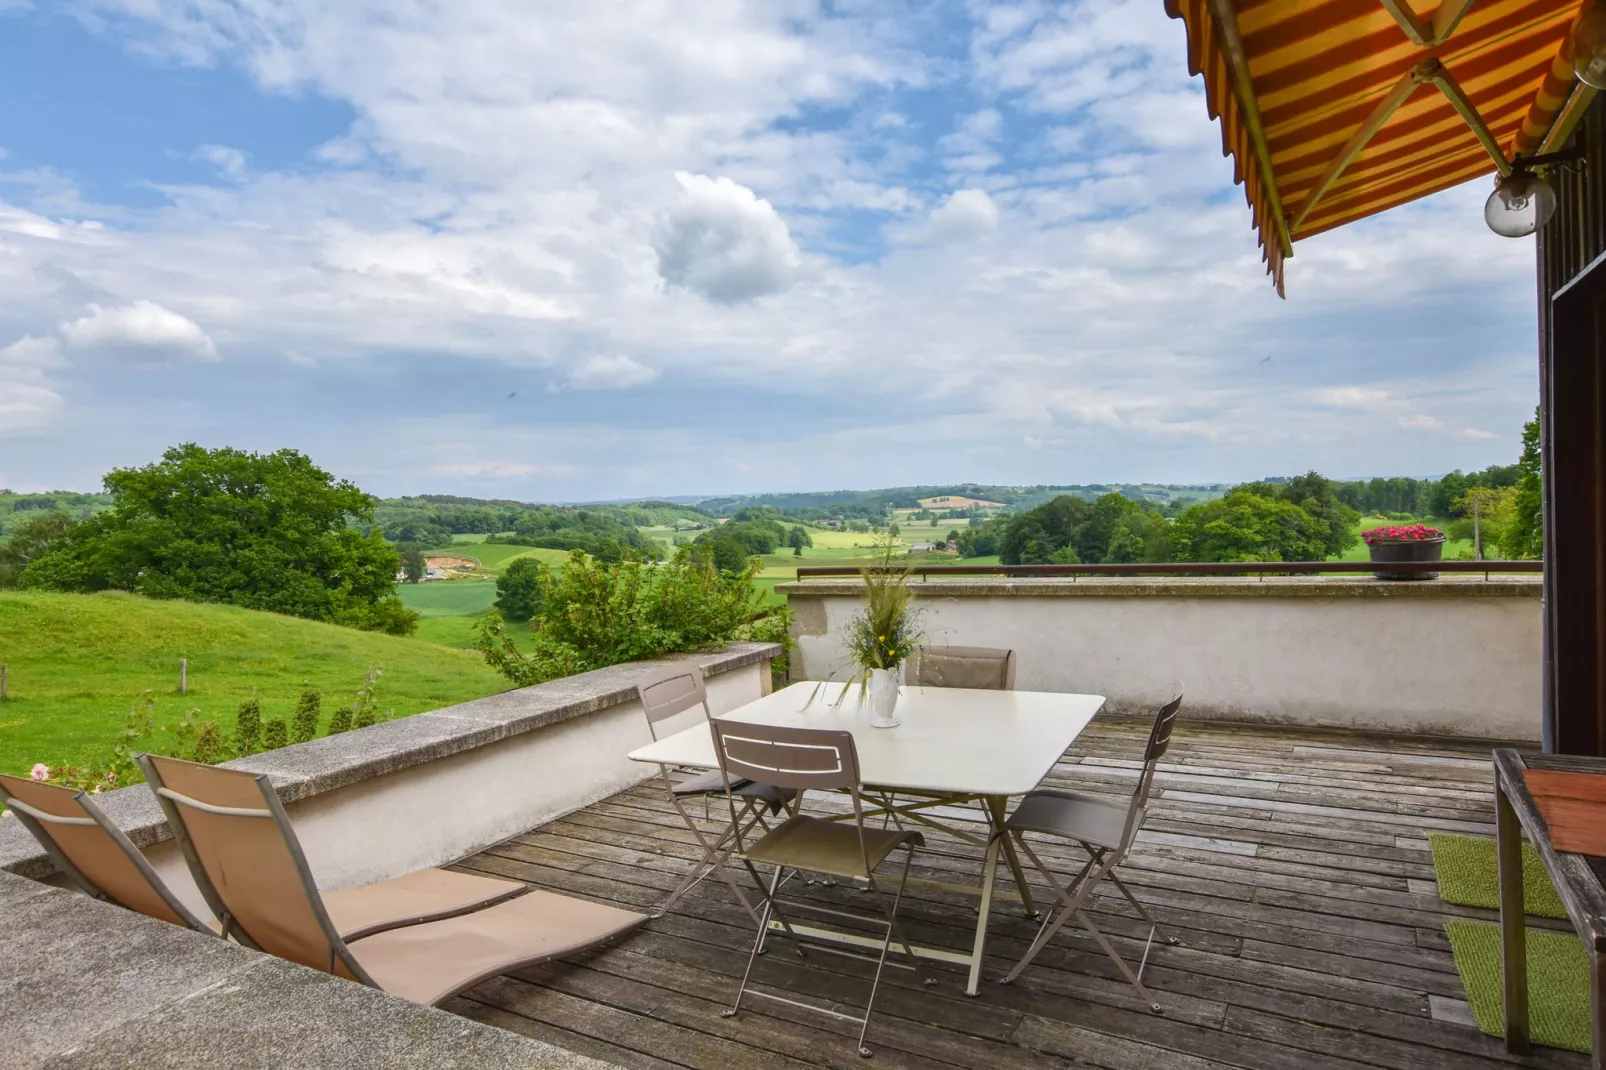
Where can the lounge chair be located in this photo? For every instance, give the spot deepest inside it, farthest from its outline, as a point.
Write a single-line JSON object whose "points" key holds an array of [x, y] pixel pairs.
{"points": [[92, 851], [248, 864], [87, 846]]}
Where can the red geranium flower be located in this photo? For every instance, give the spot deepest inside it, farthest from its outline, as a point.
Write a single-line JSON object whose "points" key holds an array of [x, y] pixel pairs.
{"points": [[1402, 533]]}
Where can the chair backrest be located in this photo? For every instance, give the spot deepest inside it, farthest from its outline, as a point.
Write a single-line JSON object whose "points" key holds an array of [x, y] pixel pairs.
{"points": [[247, 862], [980, 667], [671, 690], [1165, 720], [820, 759], [91, 850]]}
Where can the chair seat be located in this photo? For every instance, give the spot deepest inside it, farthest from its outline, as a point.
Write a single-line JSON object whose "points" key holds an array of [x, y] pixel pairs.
{"points": [[830, 847], [431, 963], [428, 895], [713, 783], [1088, 818]]}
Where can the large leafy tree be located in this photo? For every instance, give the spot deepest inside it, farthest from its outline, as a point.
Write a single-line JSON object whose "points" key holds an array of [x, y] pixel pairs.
{"points": [[521, 588], [264, 531], [1114, 529], [1250, 525]]}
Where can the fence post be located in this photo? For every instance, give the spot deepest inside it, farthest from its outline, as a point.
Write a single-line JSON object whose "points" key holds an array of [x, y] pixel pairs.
{"points": [[183, 676]]}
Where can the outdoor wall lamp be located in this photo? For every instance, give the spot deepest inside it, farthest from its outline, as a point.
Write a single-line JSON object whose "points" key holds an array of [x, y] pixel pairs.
{"points": [[1589, 45], [1521, 203], [1524, 200]]}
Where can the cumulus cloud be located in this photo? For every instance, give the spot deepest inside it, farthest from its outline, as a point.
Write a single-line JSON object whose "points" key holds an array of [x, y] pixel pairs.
{"points": [[967, 214], [143, 329], [611, 373], [229, 161], [28, 400], [723, 241]]}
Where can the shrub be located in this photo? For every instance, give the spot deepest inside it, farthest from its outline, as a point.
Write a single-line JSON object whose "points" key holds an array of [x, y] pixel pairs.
{"points": [[342, 720], [248, 728], [366, 716], [594, 614], [305, 725], [275, 734], [208, 744]]}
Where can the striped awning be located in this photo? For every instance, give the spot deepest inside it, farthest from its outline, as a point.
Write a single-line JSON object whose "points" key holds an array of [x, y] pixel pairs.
{"points": [[1334, 110]]}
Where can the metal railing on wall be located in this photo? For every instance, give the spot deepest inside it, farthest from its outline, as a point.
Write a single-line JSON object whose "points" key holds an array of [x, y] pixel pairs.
{"points": [[1260, 569]]}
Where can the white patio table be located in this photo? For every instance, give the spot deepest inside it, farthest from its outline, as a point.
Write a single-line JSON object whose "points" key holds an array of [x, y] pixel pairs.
{"points": [[952, 745]]}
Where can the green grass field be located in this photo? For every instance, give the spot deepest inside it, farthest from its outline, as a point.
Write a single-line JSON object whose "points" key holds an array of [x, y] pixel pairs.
{"points": [[78, 662]]}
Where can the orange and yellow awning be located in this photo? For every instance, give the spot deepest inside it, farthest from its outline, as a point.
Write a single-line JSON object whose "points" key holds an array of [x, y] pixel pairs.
{"points": [[1334, 110]]}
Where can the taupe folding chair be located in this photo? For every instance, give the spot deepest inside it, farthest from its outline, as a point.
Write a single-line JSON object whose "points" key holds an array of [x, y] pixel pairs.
{"points": [[823, 760], [984, 668], [673, 690], [1106, 830], [92, 851], [248, 864]]}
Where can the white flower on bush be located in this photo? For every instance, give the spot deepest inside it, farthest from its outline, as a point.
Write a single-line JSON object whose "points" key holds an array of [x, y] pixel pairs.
{"points": [[40, 771]]}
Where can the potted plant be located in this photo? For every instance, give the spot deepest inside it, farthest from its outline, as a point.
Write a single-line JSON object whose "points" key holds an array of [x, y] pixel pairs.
{"points": [[882, 637], [1406, 542]]}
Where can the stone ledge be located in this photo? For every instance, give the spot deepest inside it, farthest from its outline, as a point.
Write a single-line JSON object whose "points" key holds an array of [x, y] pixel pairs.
{"points": [[1497, 586], [88, 984], [332, 762]]}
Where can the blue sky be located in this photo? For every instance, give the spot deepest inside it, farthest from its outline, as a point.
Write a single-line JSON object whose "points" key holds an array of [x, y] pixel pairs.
{"points": [[623, 250]]}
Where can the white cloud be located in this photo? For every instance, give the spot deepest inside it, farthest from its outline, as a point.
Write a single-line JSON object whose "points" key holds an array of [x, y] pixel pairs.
{"points": [[498, 470], [142, 329], [965, 215], [28, 400], [300, 359], [611, 373], [231, 162], [724, 242]]}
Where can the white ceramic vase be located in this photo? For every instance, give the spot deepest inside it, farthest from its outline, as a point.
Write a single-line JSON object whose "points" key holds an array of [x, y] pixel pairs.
{"points": [[883, 698]]}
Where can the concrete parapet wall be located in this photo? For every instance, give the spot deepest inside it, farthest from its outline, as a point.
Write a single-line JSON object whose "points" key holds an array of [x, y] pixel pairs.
{"points": [[1448, 656], [429, 789]]}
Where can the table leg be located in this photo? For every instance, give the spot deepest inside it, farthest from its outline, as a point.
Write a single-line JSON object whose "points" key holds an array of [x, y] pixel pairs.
{"points": [[995, 807], [1513, 934], [989, 873]]}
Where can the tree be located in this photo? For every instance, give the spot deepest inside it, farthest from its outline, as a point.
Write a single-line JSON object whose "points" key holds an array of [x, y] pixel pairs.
{"points": [[1525, 535], [520, 589], [263, 531], [1249, 525], [413, 565], [33, 539], [1446, 493], [1317, 495], [798, 539]]}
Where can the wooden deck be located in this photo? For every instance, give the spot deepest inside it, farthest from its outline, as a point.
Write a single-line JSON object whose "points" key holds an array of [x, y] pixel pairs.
{"points": [[1293, 864]]}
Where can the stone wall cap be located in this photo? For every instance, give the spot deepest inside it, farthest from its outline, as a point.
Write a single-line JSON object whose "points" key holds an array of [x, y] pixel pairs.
{"points": [[326, 764], [89, 984], [1462, 586]]}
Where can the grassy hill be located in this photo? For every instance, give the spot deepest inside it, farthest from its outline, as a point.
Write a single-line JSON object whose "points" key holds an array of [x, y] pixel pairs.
{"points": [[78, 662]]}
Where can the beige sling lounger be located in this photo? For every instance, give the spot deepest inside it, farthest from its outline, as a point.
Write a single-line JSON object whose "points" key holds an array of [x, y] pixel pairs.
{"points": [[96, 855], [247, 861]]}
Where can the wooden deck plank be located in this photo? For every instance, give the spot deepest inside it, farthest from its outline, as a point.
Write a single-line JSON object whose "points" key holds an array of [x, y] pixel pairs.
{"points": [[1292, 864]]}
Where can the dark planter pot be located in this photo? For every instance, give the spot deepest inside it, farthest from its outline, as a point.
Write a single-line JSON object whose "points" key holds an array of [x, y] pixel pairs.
{"points": [[1407, 550]]}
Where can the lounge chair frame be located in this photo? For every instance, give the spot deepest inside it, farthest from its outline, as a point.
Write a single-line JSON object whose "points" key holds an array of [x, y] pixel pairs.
{"points": [[39, 822]]}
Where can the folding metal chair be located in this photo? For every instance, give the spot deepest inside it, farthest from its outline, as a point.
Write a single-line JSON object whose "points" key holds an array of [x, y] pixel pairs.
{"points": [[665, 693], [1106, 830], [92, 851], [823, 760], [981, 667]]}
